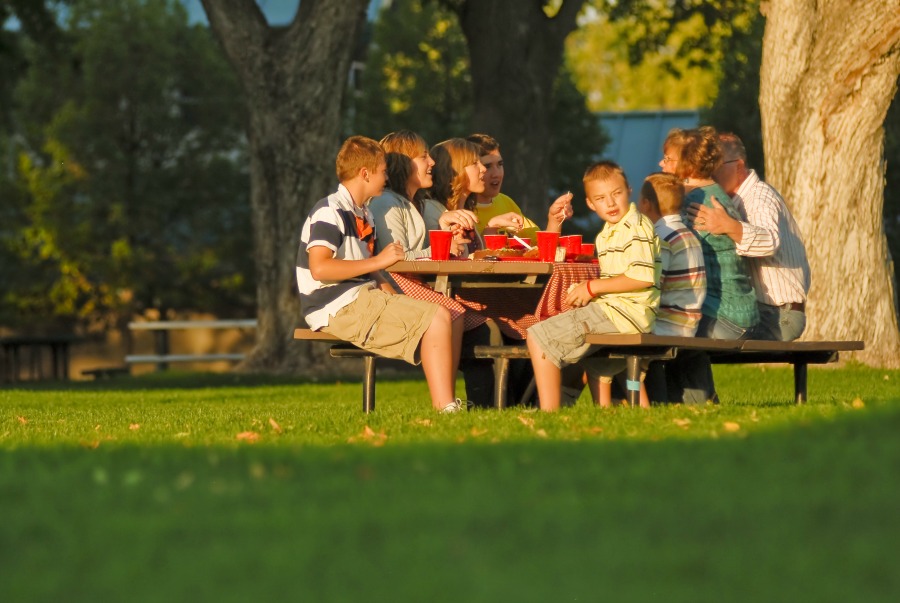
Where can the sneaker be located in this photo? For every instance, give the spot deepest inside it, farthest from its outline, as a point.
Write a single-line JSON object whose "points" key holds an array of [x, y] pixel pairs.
{"points": [[451, 408], [456, 406]]}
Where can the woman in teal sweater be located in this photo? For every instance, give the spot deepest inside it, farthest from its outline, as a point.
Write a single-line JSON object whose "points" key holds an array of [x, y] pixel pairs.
{"points": [[729, 309]]}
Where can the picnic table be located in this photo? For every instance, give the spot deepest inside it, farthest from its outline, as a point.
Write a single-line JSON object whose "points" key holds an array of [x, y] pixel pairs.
{"points": [[16, 347], [515, 294]]}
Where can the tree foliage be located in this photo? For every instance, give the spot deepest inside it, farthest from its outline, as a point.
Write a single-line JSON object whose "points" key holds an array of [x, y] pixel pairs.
{"points": [[417, 76], [600, 55], [131, 173]]}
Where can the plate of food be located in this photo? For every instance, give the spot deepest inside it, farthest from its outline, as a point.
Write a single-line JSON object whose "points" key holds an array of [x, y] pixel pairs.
{"points": [[507, 254]]}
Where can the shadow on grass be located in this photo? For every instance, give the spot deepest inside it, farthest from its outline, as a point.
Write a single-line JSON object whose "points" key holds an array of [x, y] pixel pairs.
{"points": [[204, 380]]}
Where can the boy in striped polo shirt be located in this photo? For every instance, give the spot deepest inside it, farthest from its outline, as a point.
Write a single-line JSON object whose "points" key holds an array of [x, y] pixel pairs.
{"points": [[624, 299], [343, 290], [683, 280]]}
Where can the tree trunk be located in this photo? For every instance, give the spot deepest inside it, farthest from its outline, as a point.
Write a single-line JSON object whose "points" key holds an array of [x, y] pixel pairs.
{"points": [[829, 72], [515, 51], [294, 80]]}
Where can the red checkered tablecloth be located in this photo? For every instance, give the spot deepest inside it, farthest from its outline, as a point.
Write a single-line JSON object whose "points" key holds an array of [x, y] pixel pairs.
{"points": [[415, 288], [564, 276], [515, 310]]}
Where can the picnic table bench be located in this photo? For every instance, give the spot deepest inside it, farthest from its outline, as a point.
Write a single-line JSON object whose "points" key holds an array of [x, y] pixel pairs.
{"points": [[634, 349], [14, 347]]}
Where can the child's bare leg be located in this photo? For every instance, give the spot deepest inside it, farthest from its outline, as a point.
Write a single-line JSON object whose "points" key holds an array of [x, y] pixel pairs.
{"points": [[645, 399], [601, 391], [436, 351], [547, 376]]}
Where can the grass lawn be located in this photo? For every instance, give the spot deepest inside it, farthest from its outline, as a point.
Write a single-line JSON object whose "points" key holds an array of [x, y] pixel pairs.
{"points": [[202, 487]]}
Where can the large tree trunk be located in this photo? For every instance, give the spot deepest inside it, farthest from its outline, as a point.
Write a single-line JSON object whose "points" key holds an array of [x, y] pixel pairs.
{"points": [[829, 72], [294, 80], [515, 51]]}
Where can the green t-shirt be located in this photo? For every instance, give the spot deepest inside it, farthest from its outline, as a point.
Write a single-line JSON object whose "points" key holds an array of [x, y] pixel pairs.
{"points": [[502, 204]]}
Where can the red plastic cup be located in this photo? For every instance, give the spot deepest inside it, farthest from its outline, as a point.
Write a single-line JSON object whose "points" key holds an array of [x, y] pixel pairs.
{"points": [[495, 241], [547, 243], [587, 249], [440, 244], [572, 243]]}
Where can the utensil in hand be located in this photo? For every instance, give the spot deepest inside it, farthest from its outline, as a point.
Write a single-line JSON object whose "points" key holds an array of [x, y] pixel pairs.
{"points": [[524, 244]]}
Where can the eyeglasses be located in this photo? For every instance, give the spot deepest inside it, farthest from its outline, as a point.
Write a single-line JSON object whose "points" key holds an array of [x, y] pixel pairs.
{"points": [[667, 159], [729, 161]]}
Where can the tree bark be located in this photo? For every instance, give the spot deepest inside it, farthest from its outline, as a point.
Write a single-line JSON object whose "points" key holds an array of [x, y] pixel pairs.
{"points": [[829, 73], [294, 79], [515, 51]]}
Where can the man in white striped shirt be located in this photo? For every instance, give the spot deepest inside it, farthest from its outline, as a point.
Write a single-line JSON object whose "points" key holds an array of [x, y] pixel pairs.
{"points": [[768, 236]]}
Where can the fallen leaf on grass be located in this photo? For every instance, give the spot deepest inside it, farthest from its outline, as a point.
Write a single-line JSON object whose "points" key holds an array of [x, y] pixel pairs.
{"points": [[858, 403], [540, 433], [369, 435], [478, 432], [731, 426], [275, 425], [248, 436], [526, 421], [423, 422], [595, 430], [22, 420], [887, 377], [134, 426], [683, 423]]}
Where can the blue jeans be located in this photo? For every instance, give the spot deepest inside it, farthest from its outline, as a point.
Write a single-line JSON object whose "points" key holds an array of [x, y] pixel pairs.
{"points": [[778, 323], [689, 376]]}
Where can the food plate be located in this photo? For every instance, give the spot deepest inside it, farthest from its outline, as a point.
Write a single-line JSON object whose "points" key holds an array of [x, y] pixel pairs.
{"points": [[514, 258]]}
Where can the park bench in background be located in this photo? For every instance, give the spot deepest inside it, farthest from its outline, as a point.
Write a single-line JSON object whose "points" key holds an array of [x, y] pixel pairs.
{"points": [[161, 329], [633, 348], [14, 348]]}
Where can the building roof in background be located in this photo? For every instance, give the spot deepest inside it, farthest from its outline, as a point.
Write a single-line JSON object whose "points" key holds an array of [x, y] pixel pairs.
{"points": [[277, 12], [637, 138]]}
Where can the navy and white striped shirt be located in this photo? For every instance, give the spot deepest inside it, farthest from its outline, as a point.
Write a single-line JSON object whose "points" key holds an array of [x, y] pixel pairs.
{"points": [[331, 224]]}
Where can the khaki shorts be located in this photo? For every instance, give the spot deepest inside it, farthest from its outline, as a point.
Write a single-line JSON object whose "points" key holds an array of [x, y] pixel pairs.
{"points": [[388, 325], [561, 337]]}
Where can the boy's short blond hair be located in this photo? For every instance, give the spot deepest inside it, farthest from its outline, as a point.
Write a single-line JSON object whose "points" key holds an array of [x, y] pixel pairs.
{"points": [[604, 170], [665, 192], [356, 153]]}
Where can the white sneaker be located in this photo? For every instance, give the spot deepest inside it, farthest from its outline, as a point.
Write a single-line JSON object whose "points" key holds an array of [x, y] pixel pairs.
{"points": [[456, 406]]}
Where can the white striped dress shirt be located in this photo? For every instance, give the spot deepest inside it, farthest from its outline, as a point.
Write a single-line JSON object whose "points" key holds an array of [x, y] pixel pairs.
{"points": [[771, 238]]}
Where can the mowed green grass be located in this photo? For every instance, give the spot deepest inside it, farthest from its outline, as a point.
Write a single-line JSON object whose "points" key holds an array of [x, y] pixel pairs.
{"points": [[235, 488]]}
